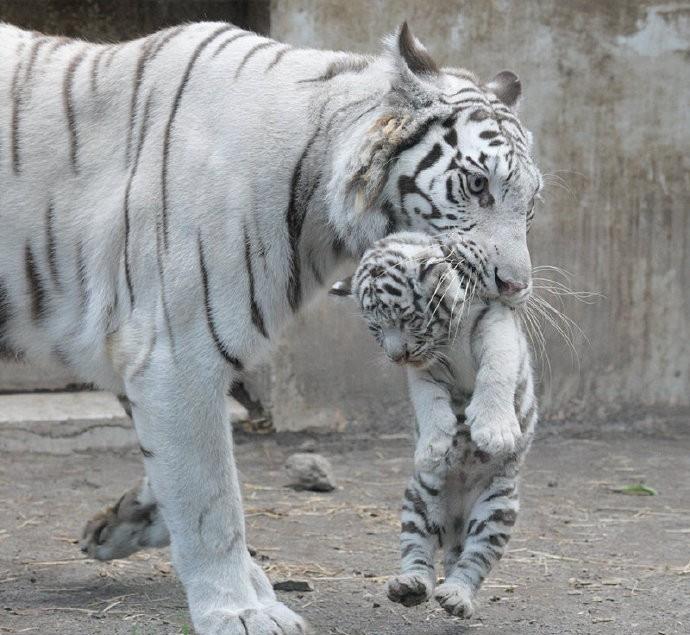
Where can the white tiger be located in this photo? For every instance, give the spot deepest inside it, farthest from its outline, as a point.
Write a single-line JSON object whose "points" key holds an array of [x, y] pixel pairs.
{"points": [[167, 204]]}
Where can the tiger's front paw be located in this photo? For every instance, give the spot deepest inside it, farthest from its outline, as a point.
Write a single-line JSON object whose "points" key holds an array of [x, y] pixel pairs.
{"points": [[493, 430]]}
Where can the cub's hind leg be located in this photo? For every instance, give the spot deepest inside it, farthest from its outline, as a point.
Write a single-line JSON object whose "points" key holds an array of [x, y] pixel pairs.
{"points": [[478, 543], [419, 539], [131, 524]]}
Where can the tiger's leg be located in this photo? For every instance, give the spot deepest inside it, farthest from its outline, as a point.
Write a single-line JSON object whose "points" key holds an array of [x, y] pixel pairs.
{"points": [[183, 426], [135, 523], [419, 539], [479, 544]]}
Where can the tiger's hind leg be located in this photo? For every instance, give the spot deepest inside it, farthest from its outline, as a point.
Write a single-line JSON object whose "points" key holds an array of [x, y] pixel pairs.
{"points": [[133, 523], [477, 545], [419, 539]]}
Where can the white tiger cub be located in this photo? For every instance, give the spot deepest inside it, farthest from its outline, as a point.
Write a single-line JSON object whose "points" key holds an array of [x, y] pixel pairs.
{"points": [[168, 204], [470, 380]]}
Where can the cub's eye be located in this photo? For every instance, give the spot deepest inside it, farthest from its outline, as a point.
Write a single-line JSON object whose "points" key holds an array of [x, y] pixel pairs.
{"points": [[477, 183]]}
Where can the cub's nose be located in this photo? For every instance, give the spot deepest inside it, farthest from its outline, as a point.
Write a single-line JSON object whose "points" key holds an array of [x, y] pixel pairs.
{"points": [[399, 354], [508, 286]]}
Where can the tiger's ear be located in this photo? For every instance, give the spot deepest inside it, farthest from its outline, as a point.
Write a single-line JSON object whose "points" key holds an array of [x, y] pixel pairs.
{"points": [[415, 71], [507, 87], [342, 288]]}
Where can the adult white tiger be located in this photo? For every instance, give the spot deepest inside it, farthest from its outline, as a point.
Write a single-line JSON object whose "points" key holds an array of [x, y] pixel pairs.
{"points": [[167, 204]]}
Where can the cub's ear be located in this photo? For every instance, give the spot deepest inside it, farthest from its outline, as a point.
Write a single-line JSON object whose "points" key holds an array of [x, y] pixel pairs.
{"points": [[342, 288], [507, 87]]}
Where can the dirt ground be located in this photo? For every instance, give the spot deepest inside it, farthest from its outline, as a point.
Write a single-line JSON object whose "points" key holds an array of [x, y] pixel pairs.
{"points": [[585, 558]]}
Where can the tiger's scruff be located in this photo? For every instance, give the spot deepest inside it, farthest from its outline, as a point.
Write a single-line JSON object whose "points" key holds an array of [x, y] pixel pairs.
{"points": [[168, 204], [470, 380]]}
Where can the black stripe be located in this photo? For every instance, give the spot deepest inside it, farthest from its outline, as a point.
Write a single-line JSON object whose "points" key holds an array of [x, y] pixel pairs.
{"points": [[434, 155], [149, 51], [488, 134], [111, 54], [251, 52], [95, 63], [278, 57], [16, 99], [171, 119], [410, 528], [20, 98], [147, 453], [33, 277], [477, 320], [230, 40], [5, 317], [408, 549], [339, 67], [498, 540], [500, 493], [257, 317], [128, 192], [432, 491], [51, 247], [81, 277], [69, 107], [451, 137], [222, 349], [505, 516], [138, 75], [391, 289], [294, 218]]}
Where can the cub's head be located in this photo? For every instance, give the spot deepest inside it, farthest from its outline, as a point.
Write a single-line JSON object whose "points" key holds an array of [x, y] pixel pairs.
{"points": [[409, 295], [448, 156]]}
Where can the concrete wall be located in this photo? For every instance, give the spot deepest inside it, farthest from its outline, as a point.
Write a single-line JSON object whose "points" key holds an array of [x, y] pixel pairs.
{"points": [[607, 95]]}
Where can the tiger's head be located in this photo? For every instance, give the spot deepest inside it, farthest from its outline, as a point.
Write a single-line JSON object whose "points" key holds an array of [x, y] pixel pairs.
{"points": [[410, 296], [449, 157]]}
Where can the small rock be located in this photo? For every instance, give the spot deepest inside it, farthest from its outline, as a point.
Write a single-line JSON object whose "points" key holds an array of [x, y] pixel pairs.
{"points": [[163, 567], [310, 471], [293, 585]]}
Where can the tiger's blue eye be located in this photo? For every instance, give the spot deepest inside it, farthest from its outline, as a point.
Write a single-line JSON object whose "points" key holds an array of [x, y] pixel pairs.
{"points": [[477, 183]]}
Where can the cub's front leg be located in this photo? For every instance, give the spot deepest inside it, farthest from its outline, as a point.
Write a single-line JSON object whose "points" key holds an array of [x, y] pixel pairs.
{"points": [[435, 423], [498, 350]]}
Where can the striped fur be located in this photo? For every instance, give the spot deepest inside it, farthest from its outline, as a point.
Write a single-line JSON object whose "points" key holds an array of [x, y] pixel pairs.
{"points": [[168, 204], [470, 380]]}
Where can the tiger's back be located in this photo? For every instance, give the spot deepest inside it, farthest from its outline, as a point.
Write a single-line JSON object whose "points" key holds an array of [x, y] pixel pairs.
{"points": [[105, 175]]}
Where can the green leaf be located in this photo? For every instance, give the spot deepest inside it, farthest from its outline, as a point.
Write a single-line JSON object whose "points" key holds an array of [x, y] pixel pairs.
{"points": [[637, 490]]}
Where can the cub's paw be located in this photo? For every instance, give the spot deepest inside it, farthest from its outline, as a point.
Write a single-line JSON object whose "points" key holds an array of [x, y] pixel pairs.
{"points": [[455, 598], [431, 454], [126, 527], [493, 430], [409, 589], [275, 619]]}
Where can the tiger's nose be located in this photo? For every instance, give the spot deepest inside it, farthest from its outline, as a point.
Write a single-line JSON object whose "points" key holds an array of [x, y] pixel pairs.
{"points": [[507, 286]]}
